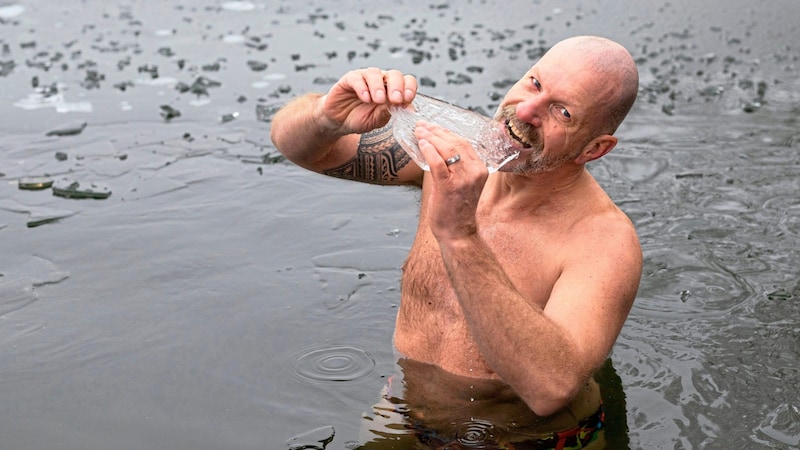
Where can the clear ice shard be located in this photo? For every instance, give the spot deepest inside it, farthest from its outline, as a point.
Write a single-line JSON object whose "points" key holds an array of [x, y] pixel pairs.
{"points": [[487, 136]]}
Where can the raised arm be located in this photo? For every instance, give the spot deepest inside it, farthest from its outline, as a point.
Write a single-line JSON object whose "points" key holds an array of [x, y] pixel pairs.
{"points": [[343, 134]]}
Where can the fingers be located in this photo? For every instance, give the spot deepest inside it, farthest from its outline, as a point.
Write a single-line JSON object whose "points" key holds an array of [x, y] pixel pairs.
{"points": [[400, 88], [373, 85], [440, 146]]}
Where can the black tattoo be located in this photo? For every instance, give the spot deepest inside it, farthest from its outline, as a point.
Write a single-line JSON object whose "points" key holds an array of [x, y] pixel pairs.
{"points": [[378, 159]]}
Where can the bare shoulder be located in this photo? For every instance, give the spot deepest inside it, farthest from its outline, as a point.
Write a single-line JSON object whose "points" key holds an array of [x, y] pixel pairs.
{"points": [[604, 261], [598, 283], [608, 236], [379, 159]]}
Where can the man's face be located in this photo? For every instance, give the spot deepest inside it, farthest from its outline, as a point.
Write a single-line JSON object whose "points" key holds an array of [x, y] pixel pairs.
{"points": [[550, 111]]}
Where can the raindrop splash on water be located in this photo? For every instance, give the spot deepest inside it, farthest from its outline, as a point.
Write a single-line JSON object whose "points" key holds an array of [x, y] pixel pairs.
{"points": [[476, 433], [334, 364]]}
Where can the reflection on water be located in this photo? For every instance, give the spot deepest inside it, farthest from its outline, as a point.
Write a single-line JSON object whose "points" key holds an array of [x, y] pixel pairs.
{"points": [[222, 298], [423, 406]]}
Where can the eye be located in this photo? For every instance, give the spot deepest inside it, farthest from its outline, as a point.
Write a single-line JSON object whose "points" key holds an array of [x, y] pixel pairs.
{"points": [[561, 113], [536, 83]]}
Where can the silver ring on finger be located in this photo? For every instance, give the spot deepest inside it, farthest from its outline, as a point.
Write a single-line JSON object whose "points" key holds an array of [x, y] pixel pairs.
{"points": [[450, 161]]}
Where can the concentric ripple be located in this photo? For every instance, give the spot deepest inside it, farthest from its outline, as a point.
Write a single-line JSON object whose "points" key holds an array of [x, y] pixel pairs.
{"points": [[476, 434], [334, 364], [685, 278]]}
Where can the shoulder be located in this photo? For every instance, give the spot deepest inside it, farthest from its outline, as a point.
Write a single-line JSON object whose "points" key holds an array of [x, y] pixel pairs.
{"points": [[608, 235], [601, 259], [603, 267], [598, 282]]}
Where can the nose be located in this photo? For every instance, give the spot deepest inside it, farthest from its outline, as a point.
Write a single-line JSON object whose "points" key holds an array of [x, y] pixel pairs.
{"points": [[531, 110]]}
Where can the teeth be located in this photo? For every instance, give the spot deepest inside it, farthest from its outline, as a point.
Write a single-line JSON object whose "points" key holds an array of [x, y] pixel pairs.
{"points": [[516, 133]]}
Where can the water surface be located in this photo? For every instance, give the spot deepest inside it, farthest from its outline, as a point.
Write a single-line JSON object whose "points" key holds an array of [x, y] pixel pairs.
{"points": [[223, 298]]}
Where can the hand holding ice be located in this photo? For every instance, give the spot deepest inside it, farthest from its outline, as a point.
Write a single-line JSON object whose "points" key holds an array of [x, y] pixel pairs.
{"points": [[488, 137]]}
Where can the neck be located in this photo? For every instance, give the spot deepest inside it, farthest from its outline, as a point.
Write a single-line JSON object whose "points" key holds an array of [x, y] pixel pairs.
{"points": [[537, 190]]}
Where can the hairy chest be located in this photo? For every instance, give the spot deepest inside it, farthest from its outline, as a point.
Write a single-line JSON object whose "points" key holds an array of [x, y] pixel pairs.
{"points": [[525, 254]]}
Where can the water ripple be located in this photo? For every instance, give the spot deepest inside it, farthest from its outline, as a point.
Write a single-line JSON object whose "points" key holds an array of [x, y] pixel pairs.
{"points": [[334, 364], [683, 278], [476, 433], [637, 169]]}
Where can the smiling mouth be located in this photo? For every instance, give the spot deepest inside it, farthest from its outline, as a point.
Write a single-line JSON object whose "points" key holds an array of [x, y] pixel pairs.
{"points": [[514, 133]]}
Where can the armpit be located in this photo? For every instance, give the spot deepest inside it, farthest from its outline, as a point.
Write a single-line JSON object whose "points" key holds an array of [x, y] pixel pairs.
{"points": [[378, 159]]}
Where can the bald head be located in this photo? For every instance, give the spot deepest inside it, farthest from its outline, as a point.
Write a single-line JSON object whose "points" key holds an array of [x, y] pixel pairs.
{"points": [[615, 68]]}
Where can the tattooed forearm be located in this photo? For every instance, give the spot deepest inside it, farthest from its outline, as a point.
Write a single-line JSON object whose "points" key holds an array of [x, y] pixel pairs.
{"points": [[378, 160]]}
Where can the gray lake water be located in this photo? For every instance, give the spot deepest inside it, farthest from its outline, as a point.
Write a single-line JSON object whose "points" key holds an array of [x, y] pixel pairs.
{"points": [[221, 297]]}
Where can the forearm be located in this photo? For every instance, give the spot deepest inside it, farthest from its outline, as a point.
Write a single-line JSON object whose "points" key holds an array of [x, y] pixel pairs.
{"points": [[525, 348], [302, 133]]}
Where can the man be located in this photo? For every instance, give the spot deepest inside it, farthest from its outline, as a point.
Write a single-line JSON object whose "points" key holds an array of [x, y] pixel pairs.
{"points": [[525, 275]]}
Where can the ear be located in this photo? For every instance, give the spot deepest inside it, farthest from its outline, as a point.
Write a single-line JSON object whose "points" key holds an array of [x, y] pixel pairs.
{"points": [[598, 147]]}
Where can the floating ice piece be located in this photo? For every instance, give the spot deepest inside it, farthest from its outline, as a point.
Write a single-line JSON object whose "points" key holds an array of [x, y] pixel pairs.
{"points": [[238, 6], [18, 285], [316, 439], [38, 100], [9, 11], [37, 215], [40, 215], [233, 39], [782, 425], [76, 189], [35, 183], [71, 129]]}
